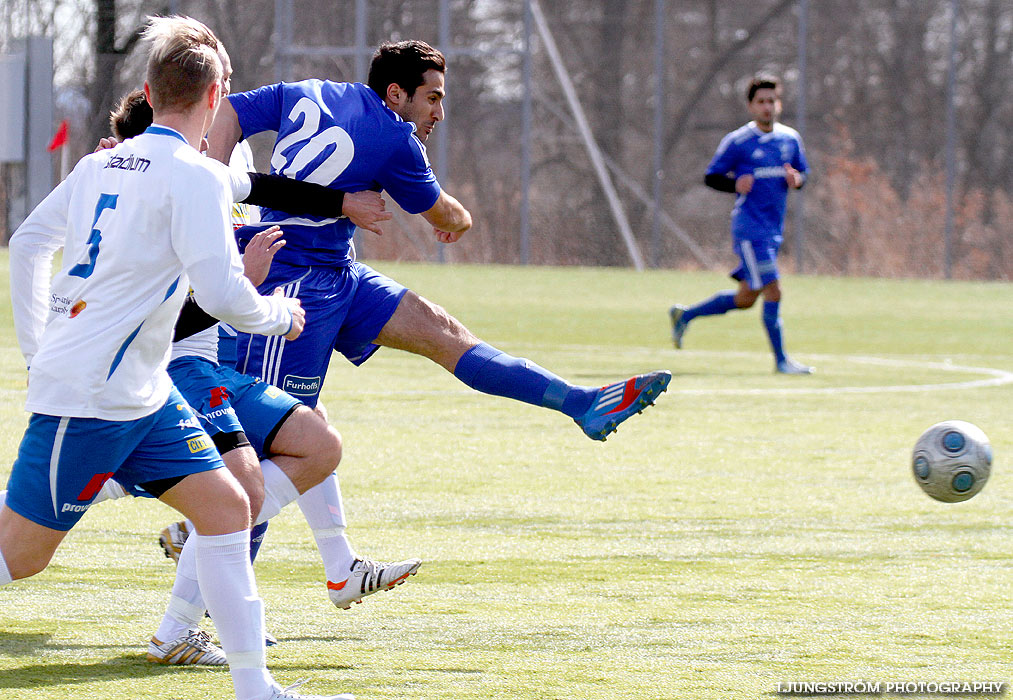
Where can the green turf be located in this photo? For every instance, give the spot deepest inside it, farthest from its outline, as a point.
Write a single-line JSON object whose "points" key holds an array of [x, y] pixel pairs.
{"points": [[749, 530]]}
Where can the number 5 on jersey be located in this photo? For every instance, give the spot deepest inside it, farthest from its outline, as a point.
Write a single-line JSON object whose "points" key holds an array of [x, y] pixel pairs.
{"points": [[84, 269]]}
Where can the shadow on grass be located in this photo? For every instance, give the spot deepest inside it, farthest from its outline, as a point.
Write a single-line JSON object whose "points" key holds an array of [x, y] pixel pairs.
{"points": [[23, 644], [63, 673], [32, 643]]}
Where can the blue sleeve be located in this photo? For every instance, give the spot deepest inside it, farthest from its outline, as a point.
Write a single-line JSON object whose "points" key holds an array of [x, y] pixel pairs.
{"points": [[799, 162], [408, 178], [259, 110], [724, 160]]}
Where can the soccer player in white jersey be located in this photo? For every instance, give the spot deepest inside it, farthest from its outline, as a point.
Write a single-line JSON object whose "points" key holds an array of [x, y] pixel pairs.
{"points": [[139, 225], [759, 163], [270, 441]]}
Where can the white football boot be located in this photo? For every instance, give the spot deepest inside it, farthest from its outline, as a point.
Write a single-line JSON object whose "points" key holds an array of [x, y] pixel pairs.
{"points": [[789, 366], [173, 538], [193, 648], [366, 577]]}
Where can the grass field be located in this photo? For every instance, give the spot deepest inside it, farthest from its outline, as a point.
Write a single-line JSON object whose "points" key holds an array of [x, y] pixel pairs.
{"points": [[749, 530]]}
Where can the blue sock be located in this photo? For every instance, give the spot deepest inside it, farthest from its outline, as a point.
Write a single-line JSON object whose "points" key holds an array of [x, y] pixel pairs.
{"points": [[256, 539], [772, 321], [486, 369], [720, 303]]}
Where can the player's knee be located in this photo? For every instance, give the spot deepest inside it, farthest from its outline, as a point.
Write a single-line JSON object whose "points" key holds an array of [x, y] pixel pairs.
{"points": [[326, 453], [436, 319], [441, 326], [745, 301], [225, 508], [234, 511], [332, 447]]}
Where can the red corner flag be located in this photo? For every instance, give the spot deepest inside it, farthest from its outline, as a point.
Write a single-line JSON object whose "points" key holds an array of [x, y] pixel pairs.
{"points": [[59, 138]]}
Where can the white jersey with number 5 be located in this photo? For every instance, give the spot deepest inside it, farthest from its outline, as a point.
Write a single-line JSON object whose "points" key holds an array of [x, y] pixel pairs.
{"points": [[139, 224]]}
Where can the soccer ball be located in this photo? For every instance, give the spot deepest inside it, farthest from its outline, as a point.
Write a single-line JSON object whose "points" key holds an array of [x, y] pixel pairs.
{"points": [[952, 461]]}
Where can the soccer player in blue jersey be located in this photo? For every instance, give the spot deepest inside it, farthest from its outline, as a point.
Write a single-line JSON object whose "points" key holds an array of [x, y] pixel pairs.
{"points": [[757, 162], [357, 137]]}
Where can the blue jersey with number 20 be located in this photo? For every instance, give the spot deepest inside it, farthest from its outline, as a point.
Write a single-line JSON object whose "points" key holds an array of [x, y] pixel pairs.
{"points": [[343, 136], [759, 215]]}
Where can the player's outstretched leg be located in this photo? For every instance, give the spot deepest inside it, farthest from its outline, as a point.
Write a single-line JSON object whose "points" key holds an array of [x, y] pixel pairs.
{"points": [[492, 371], [616, 402]]}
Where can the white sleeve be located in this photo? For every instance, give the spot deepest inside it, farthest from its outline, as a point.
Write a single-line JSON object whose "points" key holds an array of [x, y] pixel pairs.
{"points": [[238, 179], [202, 238], [240, 182], [32, 248]]}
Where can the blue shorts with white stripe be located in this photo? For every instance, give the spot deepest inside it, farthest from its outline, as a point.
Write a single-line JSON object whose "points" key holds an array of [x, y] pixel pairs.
{"points": [[757, 262]]}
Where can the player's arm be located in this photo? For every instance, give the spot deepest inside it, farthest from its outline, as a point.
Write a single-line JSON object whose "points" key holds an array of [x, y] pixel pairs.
{"points": [[365, 209], [719, 182], [408, 178], [720, 173], [448, 217], [294, 196], [32, 248], [257, 259], [797, 171], [795, 179], [192, 319], [202, 238]]}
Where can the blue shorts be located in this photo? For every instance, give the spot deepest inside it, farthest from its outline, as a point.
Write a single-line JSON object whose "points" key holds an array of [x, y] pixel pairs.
{"points": [[346, 308], [757, 262], [63, 462], [226, 401]]}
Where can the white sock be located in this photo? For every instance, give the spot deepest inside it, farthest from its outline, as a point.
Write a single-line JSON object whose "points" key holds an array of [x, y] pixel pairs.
{"points": [[278, 491], [110, 490], [5, 575], [226, 576], [325, 514], [186, 604], [3, 497]]}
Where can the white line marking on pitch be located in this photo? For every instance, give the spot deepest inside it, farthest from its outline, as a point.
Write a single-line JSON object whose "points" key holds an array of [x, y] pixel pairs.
{"points": [[997, 377]]}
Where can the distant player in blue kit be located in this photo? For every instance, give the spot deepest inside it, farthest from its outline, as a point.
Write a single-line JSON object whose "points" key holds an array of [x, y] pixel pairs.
{"points": [[355, 137], [758, 162]]}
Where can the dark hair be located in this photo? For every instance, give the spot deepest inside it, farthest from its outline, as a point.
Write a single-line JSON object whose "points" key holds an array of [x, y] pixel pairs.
{"points": [[403, 63], [131, 117], [763, 81]]}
